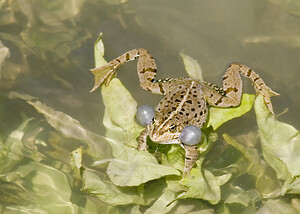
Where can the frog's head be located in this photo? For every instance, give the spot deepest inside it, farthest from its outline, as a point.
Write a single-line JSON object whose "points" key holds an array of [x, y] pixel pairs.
{"points": [[164, 131]]}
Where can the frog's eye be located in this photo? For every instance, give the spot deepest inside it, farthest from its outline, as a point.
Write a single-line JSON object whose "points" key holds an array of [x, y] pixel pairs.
{"points": [[172, 128]]}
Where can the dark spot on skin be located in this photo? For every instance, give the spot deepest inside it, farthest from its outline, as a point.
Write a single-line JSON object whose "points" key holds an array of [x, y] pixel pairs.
{"points": [[204, 111], [189, 101], [195, 91], [257, 78], [174, 108], [211, 95], [261, 83], [161, 89], [192, 109], [177, 100], [144, 70], [127, 56], [225, 77], [195, 116], [234, 89], [195, 95], [181, 96], [201, 112], [198, 102], [249, 72], [180, 87], [187, 114], [118, 60], [199, 106], [183, 92], [169, 112], [182, 109], [194, 87], [219, 101], [181, 113]]}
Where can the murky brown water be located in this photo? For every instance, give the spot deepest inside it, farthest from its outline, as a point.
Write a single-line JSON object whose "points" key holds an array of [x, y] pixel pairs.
{"points": [[51, 51]]}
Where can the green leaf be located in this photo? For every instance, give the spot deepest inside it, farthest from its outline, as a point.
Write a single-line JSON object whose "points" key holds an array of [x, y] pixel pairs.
{"points": [[134, 168], [280, 142], [219, 116], [162, 202], [266, 181], [276, 206], [108, 192], [192, 67], [201, 184], [69, 127], [239, 196], [76, 159], [120, 110], [99, 52]]}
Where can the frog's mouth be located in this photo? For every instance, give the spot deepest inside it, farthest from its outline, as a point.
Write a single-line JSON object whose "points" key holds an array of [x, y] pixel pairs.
{"points": [[165, 139]]}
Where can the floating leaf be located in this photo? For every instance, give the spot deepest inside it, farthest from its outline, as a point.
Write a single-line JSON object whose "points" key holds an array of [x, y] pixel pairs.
{"points": [[120, 110], [134, 168], [192, 67], [276, 206], [201, 184], [280, 142], [108, 192], [162, 202], [219, 116]]}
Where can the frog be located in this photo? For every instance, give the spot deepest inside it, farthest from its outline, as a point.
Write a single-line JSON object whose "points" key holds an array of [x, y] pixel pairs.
{"points": [[185, 102]]}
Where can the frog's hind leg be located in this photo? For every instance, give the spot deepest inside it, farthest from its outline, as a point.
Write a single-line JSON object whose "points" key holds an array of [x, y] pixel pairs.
{"points": [[105, 73], [258, 83], [146, 68], [191, 156], [231, 93]]}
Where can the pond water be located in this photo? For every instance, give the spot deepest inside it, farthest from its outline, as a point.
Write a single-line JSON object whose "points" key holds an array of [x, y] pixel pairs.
{"points": [[47, 51]]}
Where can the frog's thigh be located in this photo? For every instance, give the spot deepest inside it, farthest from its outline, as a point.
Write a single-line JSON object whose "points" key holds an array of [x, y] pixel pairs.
{"points": [[214, 98]]}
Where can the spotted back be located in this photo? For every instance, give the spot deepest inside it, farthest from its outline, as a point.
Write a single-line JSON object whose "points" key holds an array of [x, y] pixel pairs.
{"points": [[181, 107]]}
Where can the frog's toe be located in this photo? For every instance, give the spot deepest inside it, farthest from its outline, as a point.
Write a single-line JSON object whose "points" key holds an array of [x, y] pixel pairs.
{"points": [[103, 75]]}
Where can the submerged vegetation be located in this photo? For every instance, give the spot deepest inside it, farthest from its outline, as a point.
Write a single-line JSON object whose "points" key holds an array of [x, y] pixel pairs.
{"points": [[51, 163], [109, 175]]}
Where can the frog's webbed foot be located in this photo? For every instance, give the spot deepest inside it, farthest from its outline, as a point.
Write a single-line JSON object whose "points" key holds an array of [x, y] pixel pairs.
{"points": [[191, 156], [104, 74], [267, 93]]}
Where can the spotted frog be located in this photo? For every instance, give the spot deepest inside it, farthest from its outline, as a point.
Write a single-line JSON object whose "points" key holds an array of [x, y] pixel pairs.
{"points": [[186, 100]]}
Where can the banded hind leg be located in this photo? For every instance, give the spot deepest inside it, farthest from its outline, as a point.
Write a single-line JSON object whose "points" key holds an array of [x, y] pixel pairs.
{"points": [[231, 93], [146, 68]]}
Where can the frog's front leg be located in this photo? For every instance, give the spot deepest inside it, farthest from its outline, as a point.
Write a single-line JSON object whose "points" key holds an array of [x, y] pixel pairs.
{"points": [[142, 140], [191, 156], [231, 93]]}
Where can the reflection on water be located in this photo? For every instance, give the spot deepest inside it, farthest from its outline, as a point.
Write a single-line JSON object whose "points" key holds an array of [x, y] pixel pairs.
{"points": [[46, 52]]}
